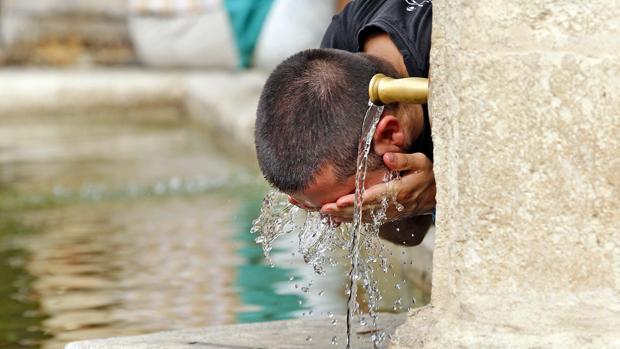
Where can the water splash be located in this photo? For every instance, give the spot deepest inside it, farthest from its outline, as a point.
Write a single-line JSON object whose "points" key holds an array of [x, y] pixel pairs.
{"points": [[318, 237], [277, 217]]}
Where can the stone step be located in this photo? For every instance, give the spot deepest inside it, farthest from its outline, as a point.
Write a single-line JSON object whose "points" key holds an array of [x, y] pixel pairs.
{"points": [[289, 334]]}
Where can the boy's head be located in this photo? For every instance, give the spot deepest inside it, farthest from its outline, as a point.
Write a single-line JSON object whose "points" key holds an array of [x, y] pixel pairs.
{"points": [[309, 123]]}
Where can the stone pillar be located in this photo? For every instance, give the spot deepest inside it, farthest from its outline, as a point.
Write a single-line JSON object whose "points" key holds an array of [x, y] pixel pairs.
{"points": [[525, 101]]}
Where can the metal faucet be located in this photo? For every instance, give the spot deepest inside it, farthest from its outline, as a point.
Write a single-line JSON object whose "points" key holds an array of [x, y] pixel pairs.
{"points": [[385, 90]]}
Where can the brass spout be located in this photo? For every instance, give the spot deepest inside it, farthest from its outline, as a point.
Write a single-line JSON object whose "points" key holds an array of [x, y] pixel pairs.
{"points": [[385, 90]]}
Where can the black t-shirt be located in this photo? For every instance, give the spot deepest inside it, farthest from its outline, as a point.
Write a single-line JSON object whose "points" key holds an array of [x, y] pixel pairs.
{"points": [[408, 25]]}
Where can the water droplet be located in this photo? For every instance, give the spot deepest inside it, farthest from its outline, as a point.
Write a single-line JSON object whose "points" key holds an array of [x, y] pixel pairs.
{"points": [[397, 304], [309, 339], [291, 278], [330, 314], [300, 302], [335, 340], [321, 292]]}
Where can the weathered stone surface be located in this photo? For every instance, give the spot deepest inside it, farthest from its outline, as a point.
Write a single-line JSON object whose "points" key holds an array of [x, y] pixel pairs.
{"points": [[316, 333], [585, 27], [526, 118]]}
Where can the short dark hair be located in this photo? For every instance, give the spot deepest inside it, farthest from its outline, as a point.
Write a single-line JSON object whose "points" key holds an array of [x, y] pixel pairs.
{"points": [[310, 114]]}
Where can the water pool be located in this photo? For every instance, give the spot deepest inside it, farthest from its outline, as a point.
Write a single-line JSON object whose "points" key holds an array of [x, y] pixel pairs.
{"points": [[125, 224]]}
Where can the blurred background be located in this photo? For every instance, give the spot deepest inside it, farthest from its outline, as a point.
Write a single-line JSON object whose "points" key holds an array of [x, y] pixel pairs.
{"points": [[128, 183]]}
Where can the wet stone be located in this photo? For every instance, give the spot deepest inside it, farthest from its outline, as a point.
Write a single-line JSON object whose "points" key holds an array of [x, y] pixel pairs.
{"points": [[277, 335]]}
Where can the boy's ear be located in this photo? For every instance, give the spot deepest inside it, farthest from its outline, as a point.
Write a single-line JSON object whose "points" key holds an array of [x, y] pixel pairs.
{"points": [[389, 135]]}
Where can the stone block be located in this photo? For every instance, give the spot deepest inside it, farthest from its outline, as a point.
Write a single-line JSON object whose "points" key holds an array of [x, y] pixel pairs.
{"points": [[586, 27], [526, 119]]}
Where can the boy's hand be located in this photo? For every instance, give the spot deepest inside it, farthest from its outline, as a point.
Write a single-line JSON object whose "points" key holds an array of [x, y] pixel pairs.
{"points": [[415, 190]]}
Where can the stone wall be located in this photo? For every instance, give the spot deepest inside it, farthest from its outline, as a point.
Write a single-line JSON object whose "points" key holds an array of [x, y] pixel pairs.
{"points": [[526, 126], [63, 32]]}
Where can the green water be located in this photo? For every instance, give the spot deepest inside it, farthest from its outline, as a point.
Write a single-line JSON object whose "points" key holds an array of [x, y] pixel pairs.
{"points": [[125, 224], [20, 317]]}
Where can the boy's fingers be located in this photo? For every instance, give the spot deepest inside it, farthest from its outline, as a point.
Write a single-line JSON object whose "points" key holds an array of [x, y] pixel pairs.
{"points": [[343, 212], [372, 194], [404, 162], [333, 210], [346, 201], [376, 193], [329, 208]]}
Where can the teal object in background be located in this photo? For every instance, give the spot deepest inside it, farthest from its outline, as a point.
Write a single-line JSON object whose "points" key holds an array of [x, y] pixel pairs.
{"points": [[247, 18]]}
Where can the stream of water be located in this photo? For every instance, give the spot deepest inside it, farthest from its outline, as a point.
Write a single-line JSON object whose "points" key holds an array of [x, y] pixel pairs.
{"points": [[369, 126]]}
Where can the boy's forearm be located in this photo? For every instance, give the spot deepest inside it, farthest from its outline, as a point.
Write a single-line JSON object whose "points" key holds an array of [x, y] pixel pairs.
{"points": [[407, 232]]}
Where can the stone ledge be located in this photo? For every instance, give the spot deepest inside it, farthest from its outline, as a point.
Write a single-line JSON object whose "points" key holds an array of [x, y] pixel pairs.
{"points": [[57, 91], [276, 335], [525, 324], [225, 101]]}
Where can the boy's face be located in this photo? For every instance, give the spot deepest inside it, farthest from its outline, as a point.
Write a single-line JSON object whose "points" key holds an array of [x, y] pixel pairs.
{"points": [[391, 135], [327, 189]]}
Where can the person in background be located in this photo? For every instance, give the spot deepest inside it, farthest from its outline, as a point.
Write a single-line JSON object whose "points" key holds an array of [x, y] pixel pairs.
{"points": [[292, 26], [226, 34], [197, 33]]}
